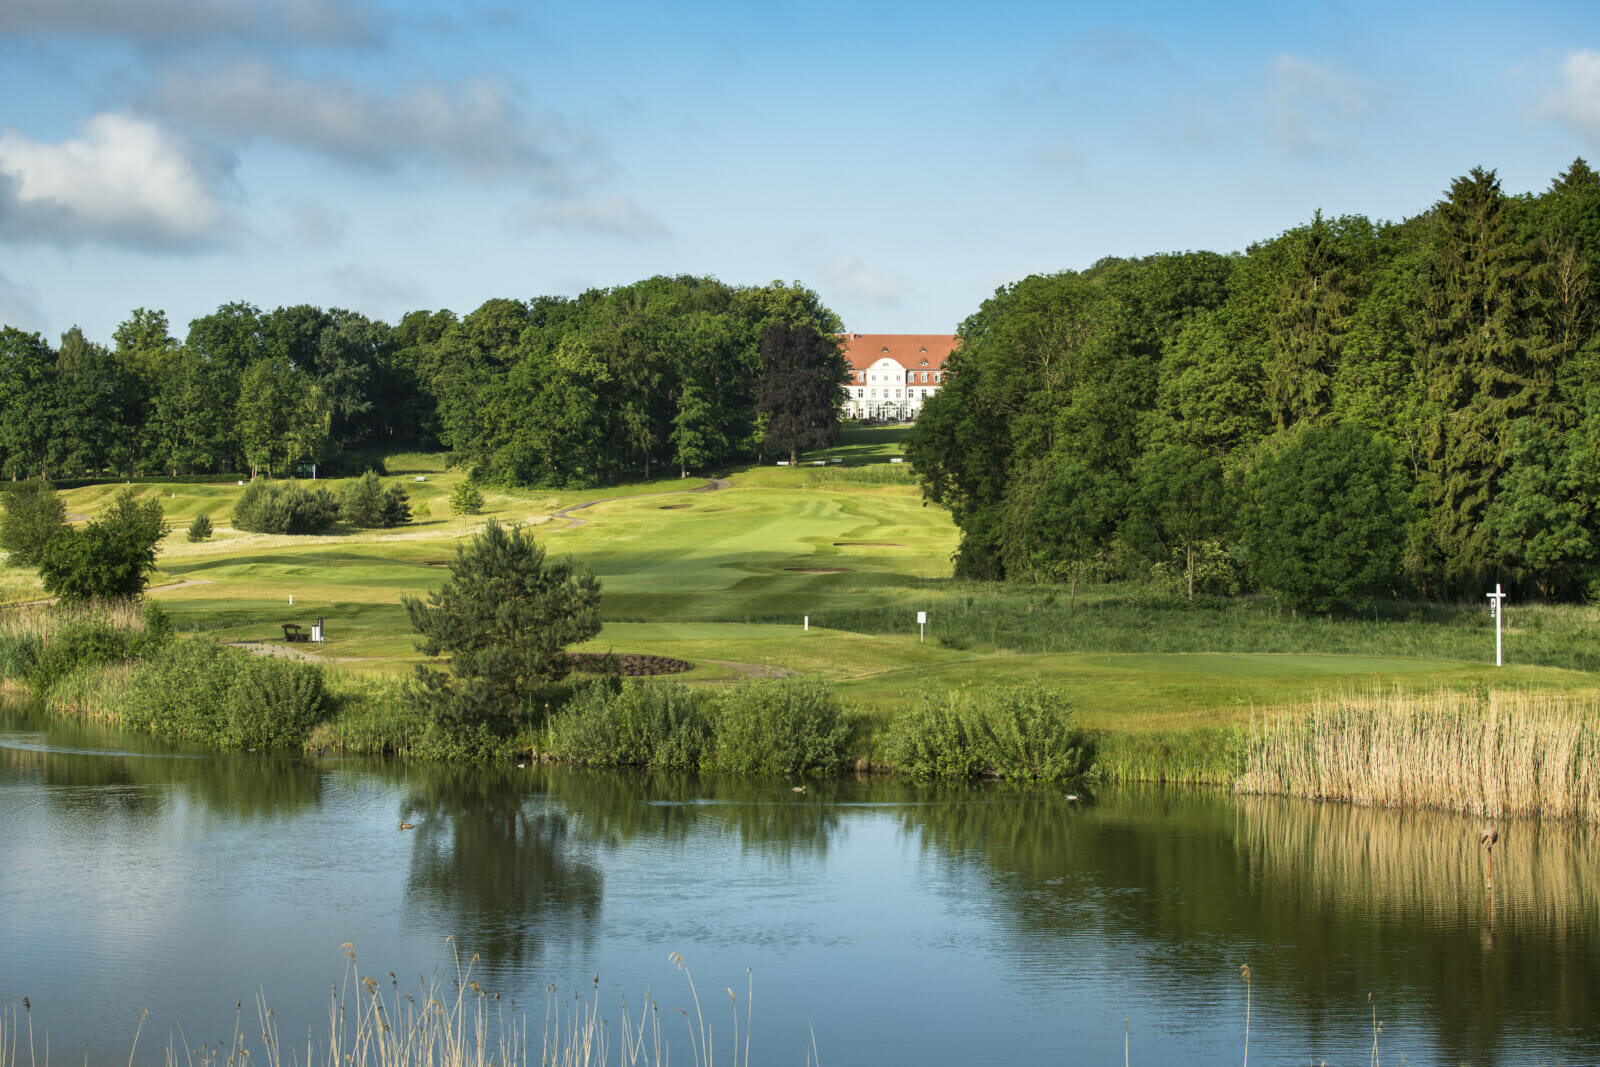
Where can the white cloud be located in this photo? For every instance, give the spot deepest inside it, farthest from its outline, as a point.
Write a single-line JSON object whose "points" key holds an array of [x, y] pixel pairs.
{"points": [[614, 216], [1577, 102], [853, 276], [19, 306], [164, 22], [1311, 103], [475, 127], [125, 181]]}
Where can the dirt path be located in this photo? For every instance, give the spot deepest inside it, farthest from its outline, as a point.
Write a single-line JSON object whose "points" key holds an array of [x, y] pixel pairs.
{"points": [[755, 670], [46, 601], [572, 520], [279, 648]]}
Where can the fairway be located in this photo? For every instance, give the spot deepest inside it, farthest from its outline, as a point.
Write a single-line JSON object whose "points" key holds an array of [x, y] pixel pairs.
{"points": [[725, 574]]}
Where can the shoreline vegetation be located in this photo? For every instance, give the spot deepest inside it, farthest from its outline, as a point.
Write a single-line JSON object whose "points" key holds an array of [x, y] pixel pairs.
{"points": [[1489, 751]]}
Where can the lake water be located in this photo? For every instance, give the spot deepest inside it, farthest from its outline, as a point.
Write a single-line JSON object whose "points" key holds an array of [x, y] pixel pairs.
{"points": [[898, 923]]}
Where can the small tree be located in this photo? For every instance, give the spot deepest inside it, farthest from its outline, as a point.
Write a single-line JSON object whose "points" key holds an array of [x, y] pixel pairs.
{"points": [[368, 504], [200, 528], [465, 499], [32, 514], [108, 559], [506, 617]]}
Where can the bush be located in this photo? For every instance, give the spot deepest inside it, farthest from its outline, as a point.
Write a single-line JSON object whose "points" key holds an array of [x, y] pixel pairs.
{"points": [[200, 529], [204, 692], [19, 653], [936, 740], [782, 728], [85, 642], [632, 724], [1020, 734], [284, 508]]}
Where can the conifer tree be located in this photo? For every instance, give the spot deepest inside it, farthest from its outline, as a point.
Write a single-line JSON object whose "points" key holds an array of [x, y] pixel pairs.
{"points": [[506, 617], [1485, 361]]}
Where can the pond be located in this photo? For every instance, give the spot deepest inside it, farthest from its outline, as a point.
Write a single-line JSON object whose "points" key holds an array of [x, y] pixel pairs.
{"points": [[876, 921]]}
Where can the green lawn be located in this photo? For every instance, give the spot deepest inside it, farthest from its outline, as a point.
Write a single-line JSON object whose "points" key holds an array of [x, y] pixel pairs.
{"points": [[724, 579]]}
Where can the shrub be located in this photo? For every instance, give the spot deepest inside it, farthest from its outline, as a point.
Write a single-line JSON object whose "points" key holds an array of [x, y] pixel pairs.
{"points": [[82, 642], [271, 703], [935, 740], [19, 653], [284, 508], [791, 727], [1028, 734], [204, 692], [200, 529], [1021, 734], [632, 724]]}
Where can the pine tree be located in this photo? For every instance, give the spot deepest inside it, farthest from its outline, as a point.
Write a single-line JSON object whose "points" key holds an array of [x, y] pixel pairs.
{"points": [[200, 528], [506, 617], [1485, 361]]}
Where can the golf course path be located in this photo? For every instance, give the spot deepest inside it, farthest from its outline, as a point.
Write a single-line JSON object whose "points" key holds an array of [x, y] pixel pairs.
{"points": [[572, 520], [43, 601], [755, 670]]}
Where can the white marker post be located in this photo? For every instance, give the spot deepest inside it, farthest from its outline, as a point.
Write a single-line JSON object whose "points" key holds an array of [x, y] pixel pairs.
{"points": [[922, 620], [807, 625], [1497, 610]]}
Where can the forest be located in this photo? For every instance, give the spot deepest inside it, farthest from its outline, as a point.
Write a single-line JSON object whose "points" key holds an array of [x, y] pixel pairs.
{"points": [[1350, 412], [666, 373]]}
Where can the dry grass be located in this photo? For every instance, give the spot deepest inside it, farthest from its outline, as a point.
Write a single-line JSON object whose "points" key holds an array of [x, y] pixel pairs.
{"points": [[1491, 753], [42, 621], [449, 1022]]}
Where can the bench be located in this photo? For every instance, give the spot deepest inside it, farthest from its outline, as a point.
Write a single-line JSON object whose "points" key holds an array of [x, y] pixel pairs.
{"points": [[293, 631]]}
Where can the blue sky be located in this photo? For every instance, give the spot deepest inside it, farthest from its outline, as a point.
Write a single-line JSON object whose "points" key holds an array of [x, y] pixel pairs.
{"points": [[903, 160]]}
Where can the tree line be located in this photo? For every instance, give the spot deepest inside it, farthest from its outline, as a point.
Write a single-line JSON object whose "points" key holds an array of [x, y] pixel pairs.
{"points": [[1352, 409], [666, 373]]}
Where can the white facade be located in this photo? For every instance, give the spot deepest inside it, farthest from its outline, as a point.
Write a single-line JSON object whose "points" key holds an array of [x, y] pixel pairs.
{"points": [[893, 375]]}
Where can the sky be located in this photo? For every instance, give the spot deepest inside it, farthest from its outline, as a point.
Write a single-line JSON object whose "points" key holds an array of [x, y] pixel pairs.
{"points": [[903, 160]]}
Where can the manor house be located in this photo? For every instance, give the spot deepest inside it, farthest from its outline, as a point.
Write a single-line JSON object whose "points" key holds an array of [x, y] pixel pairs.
{"points": [[894, 373]]}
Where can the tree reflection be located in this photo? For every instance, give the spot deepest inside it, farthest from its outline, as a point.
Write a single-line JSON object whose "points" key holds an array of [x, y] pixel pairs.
{"points": [[498, 862]]}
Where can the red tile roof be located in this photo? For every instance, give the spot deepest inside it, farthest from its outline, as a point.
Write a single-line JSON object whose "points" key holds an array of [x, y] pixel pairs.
{"points": [[913, 351]]}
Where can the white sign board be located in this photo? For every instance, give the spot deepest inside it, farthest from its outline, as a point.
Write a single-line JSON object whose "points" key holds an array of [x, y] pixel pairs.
{"points": [[922, 618]]}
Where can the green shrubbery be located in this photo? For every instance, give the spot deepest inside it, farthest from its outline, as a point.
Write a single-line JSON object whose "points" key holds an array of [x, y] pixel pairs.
{"points": [[284, 508], [1019, 734], [758, 728], [782, 728], [633, 724], [204, 692]]}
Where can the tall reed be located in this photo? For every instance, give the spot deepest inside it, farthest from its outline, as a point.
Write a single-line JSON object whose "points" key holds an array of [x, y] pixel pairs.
{"points": [[1490, 753]]}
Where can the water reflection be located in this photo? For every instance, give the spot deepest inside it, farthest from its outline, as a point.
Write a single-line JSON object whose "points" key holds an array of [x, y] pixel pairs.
{"points": [[136, 775], [1136, 902], [494, 865]]}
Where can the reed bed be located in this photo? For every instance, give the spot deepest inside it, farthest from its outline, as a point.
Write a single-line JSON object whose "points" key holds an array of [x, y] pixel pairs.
{"points": [[1490, 753], [448, 1022]]}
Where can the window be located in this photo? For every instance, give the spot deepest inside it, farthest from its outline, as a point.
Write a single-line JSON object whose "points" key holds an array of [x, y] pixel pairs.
{"points": [[860, 392], [924, 375], [936, 375]]}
